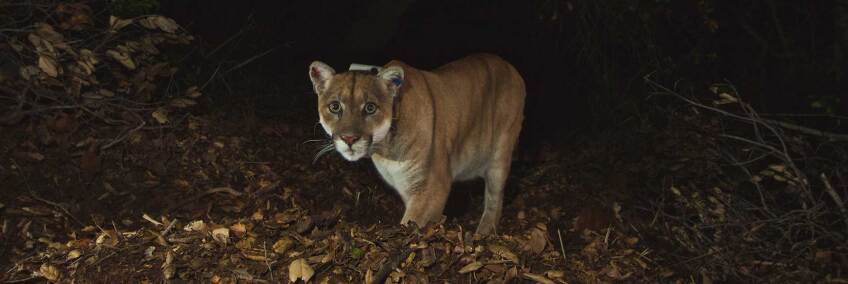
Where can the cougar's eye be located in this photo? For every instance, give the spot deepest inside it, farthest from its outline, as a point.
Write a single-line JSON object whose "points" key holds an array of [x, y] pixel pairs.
{"points": [[334, 107], [370, 108]]}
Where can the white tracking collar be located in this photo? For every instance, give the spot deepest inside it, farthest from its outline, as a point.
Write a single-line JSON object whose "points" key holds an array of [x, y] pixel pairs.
{"points": [[364, 67]]}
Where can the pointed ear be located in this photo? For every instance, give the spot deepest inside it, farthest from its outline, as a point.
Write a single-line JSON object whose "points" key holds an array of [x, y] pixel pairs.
{"points": [[320, 74], [393, 77]]}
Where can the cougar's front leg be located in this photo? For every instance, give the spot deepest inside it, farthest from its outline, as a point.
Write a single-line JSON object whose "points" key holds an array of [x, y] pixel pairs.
{"points": [[427, 201]]}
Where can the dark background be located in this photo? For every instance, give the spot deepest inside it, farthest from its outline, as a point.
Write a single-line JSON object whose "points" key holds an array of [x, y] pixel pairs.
{"points": [[583, 61]]}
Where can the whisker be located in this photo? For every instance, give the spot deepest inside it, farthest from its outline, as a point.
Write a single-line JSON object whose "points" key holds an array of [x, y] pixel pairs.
{"points": [[326, 142], [328, 148], [313, 141]]}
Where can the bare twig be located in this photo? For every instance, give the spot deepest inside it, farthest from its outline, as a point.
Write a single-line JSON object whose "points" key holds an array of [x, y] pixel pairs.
{"points": [[561, 245], [835, 196], [123, 136], [210, 77], [169, 227], [57, 205], [268, 264], [249, 60], [21, 280], [808, 130]]}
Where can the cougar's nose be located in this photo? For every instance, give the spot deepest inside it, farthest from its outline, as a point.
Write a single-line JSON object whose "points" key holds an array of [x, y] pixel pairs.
{"points": [[349, 139]]}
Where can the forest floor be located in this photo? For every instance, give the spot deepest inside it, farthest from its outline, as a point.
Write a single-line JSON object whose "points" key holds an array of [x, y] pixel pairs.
{"points": [[239, 199], [123, 185]]}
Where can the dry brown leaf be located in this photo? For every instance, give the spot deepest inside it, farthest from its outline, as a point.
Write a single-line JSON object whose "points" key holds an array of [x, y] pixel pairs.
{"points": [[148, 252], [87, 60], [168, 268], [221, 235], [395, 276], [300, 269], [195, 226], [473, 266], [182, 102], [428, 257], [135, 137], [780, 168], [148, 45], [107, 238], [538, 278], [282, 245], [77, 16], [48, 65], [257, 216], [504, 252], [50, 272], [74, 254], [260, 258], [106, 93], [245, 243], [193, 92], [238, 229], [166, 24], [122, 58], [116, 23], [80, 243], [159, 22], [147, 23], [538, 240], [46, 32], [556, 274], [613, 272], [161, 115], [824, 256], [27, 72], [728, 97], [369, 276], [42, 46]]}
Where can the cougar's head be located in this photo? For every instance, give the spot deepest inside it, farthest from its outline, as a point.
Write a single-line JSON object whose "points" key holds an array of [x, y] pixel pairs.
{"points": [[355, 108]]}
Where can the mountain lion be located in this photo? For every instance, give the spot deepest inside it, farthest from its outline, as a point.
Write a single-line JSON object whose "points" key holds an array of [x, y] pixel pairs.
{"points": [[425, 129]]}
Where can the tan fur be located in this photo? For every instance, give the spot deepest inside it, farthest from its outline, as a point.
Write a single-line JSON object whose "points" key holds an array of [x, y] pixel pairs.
{"points": [[457, 122]]}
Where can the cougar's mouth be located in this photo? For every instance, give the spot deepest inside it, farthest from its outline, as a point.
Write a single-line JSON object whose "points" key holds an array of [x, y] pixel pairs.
{"points": [[355, 151]]}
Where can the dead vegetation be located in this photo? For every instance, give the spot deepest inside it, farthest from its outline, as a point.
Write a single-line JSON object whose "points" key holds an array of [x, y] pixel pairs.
{"points": [[109, 175], [762, 205]]}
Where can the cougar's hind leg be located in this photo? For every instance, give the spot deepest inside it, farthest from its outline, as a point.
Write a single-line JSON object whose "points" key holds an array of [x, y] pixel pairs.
{"points": [[495, 179]]}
